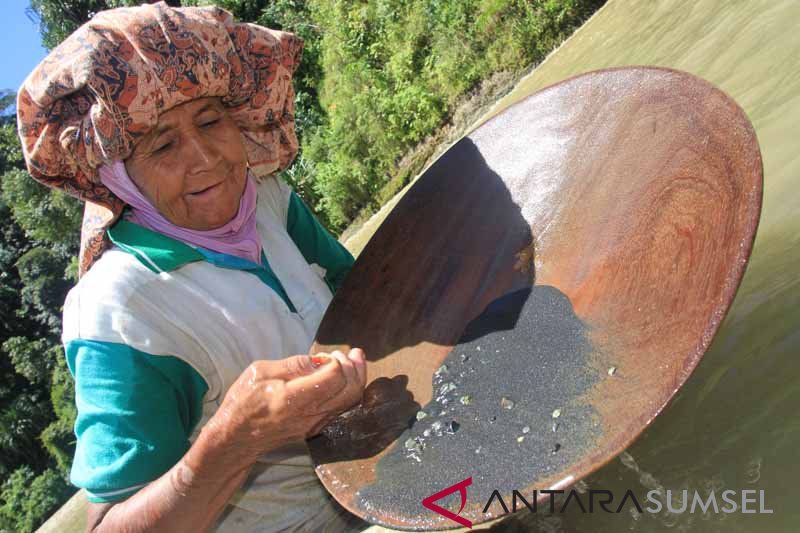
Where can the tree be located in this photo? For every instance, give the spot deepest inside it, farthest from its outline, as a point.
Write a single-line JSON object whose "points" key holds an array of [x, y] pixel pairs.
{"points": [[58, 18], [28, 499], [7, 101], [38, 237]]}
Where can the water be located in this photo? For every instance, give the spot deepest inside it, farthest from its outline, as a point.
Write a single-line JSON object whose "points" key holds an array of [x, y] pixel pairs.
{"points": [[734, 423]]}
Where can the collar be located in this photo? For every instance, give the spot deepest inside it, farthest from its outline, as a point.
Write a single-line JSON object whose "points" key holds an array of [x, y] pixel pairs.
{"points": [[157, 252], [160, 253]]}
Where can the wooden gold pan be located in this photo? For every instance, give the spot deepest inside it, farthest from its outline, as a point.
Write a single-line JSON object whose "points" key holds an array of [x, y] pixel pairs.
{"points": [[623, 202]]}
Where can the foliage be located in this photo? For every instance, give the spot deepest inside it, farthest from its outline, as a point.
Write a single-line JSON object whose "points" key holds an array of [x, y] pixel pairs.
{"points": [[48, 216], [27, 498], [42, 273], [38, 239], [393, 71], [6, 103]]}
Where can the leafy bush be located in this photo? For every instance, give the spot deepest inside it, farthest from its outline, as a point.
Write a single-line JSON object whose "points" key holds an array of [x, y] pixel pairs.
{"points": [[28, 499], [394, 70]]}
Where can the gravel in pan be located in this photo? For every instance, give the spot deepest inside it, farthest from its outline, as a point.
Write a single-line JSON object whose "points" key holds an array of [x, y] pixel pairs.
{"points": [[513, 380]]}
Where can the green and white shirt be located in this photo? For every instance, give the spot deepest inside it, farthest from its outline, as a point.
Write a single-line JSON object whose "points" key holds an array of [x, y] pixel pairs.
{"points": [[157, 331]]}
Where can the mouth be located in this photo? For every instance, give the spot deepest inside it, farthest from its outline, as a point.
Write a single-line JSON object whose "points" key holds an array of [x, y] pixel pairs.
{"points": [[206, 191]]}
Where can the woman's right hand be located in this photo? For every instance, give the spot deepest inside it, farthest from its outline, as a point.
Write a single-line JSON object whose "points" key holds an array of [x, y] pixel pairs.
{"points": [[273, 403]]}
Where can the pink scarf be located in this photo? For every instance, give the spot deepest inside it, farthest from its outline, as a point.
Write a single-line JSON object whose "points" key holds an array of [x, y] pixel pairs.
{"points": [[238, 237]]}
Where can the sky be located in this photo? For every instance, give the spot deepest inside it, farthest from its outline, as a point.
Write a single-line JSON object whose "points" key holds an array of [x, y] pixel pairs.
{"points": [[19, 42]]}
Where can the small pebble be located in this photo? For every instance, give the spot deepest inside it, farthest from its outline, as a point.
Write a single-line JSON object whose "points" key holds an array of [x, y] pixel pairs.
{"points": [[426, 433], [436, 426], [421, 415], [556, 448], [414, 446], [520, 438], [464, 357], [556, 413], [555, 426], [466, 399], [526, 429], [506, 403], [612, 370], [441, 370], [452, 427], [478, 449], [447, 387]]}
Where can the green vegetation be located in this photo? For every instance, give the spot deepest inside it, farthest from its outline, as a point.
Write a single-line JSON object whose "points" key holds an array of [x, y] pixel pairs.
{"points": [[378, 78], [394, 70], [37, 411]]}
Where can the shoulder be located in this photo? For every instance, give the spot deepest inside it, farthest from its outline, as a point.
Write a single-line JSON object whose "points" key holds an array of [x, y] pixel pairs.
{"points": [[117, 273], [111, 281], [99, 306], [119, 300], [273, 197]]}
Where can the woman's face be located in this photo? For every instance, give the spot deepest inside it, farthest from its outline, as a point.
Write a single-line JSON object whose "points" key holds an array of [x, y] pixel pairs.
{"points": [[192, 166]]}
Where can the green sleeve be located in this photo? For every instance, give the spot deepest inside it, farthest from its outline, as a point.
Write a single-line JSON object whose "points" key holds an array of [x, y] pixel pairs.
{"points": [[136, 412], [316, 244]]}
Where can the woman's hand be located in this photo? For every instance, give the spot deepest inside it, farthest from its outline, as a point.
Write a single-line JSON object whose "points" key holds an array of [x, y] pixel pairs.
{"points": [[273, 403], [270, 404]]}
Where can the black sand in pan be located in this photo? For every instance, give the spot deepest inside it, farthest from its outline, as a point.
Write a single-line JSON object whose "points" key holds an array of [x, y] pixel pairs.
{"points": [[504, 408]]}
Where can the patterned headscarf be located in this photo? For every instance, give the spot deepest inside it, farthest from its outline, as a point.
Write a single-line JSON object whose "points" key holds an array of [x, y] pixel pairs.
{"points": [[89, 101]]}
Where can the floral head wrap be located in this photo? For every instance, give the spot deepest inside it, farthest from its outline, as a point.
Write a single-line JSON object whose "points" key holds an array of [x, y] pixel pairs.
{"points": [[89, 101]]}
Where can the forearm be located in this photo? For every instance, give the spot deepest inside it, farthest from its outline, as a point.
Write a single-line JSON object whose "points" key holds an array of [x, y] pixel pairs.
{"points": [[189, 497]]}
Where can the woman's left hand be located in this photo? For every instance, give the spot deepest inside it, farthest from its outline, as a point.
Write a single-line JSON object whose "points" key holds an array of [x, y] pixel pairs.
{"points": [[273, 403]]}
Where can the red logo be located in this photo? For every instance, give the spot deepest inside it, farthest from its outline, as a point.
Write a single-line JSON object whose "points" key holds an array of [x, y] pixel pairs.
{"points": [[461, 487]]}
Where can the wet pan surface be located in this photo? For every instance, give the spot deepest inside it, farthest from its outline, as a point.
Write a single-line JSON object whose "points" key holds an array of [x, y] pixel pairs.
{"points": [[568, 263]]}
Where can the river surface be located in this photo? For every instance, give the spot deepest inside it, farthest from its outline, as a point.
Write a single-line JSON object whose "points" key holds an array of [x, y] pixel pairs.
{"points": [[735, 424]]}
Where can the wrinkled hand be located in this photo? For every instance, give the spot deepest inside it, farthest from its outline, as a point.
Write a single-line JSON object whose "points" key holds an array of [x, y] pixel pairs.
{"points": [[273, 403]]}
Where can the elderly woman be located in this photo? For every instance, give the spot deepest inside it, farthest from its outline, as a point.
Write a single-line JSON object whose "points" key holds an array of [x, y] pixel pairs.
{"points": [[203, 276]]}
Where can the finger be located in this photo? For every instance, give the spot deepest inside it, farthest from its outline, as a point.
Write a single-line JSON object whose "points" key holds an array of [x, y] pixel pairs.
{"points": [[293, 367], [349, 368], [351, 394], [326, 382], [359, 360]]}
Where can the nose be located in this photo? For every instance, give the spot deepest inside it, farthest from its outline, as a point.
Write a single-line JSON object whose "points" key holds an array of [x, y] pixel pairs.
{"points": [[201, 154]]}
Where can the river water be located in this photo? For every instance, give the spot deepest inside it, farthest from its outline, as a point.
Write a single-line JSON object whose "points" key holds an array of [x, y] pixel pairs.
{"points": [[735, 424]]}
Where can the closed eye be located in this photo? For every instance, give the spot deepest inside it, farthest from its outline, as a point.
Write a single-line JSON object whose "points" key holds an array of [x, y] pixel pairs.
{"points": [[162, 148], [209, 123]]}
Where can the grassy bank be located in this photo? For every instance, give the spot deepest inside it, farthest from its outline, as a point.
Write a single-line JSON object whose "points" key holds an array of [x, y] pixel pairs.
{"points": [[394, 75]]}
